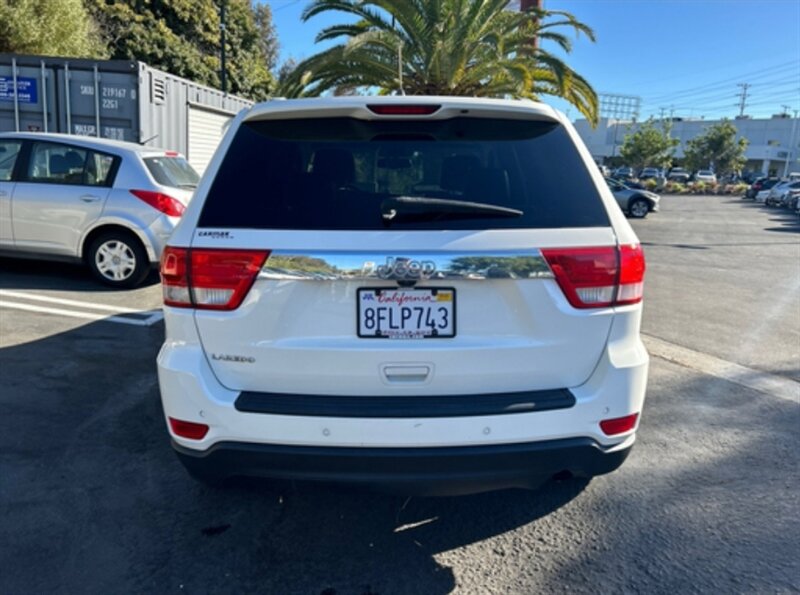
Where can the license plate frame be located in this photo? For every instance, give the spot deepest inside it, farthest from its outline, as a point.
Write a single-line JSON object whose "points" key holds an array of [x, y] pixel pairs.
{"points": [[433, 291]]}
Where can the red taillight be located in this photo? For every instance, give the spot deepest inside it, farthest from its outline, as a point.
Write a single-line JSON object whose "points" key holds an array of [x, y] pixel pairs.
{"points": [[174, 277], [188, 429], [619, 425], [209, 279], [220, 279], [403, 110], [161, 202], [631, 275], [598, 277]]}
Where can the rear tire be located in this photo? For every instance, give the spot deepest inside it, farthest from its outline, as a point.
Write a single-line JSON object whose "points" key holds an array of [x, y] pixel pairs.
{"points": [[638, 208], [118, 259]]}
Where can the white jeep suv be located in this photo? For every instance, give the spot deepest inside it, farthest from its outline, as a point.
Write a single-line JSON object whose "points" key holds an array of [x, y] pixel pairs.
{"points": [[435, 294]]}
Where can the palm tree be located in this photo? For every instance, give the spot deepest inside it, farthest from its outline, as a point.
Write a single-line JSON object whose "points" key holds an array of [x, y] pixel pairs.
{"points": [[444, 47]]}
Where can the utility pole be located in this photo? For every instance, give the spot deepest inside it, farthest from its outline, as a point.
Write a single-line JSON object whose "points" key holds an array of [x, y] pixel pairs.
{"points": [[223, 71], [743, 96], [661, 110], [785, 110]]}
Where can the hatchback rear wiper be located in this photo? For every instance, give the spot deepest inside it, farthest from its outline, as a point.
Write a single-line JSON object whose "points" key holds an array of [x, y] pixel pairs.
{"points": [[422, 207]]}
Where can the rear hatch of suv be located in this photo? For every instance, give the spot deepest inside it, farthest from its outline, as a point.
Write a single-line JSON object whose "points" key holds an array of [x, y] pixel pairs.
{"points": [[409, 250]]}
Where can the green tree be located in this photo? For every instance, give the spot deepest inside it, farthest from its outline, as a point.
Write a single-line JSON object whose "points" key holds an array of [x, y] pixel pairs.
{"points": [[649, 146], [267, 36], [182, 37], [717, 148], [49, 28], [445, 47]]}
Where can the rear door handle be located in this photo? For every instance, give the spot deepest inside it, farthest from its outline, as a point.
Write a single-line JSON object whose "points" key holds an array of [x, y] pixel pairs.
{"points": [[406, 373], [90, 198]]}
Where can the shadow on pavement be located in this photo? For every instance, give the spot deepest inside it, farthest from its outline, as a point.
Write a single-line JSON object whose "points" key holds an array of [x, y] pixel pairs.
{"points": [[709, 504], [23, 273], [94, 500]]}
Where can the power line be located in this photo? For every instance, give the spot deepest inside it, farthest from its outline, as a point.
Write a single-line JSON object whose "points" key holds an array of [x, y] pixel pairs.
{"points": [[785, 67], [755, 75], [779, 81]]}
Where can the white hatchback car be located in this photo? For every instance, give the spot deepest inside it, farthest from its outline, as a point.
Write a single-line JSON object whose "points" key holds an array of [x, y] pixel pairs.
{"points": [[432, 293], [109, 204], [705, 175]]}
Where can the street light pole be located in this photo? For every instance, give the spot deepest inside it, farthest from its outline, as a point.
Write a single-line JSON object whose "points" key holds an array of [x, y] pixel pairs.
{"points": [[793, 142], [223, 72]]}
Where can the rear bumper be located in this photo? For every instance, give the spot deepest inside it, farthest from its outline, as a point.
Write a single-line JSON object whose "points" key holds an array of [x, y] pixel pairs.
{"points": [[418, 471]]}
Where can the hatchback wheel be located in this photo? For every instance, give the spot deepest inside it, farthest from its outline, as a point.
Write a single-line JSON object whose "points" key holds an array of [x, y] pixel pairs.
{"points": [[639, 208], [118, 259]]}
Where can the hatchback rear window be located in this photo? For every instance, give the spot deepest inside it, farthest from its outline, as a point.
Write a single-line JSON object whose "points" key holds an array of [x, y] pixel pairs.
{"points": [[172, 171], [349, 174]]}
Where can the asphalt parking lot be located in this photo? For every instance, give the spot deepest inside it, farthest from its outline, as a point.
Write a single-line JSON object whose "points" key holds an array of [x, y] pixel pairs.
{"points": [[94, 501]]}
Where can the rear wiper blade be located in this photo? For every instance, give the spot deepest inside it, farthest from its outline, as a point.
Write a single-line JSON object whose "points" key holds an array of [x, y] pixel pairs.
{"points": [[424, 206]]}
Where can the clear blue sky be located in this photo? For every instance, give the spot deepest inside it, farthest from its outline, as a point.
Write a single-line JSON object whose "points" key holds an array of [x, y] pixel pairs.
{"points": [[684, 55]]}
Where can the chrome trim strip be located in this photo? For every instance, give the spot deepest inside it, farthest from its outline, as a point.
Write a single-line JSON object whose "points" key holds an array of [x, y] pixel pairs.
{"points": [[404, 266]]}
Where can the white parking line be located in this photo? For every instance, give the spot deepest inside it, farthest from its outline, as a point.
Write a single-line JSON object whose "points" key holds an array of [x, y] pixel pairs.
{"points": [[65, 302], [771, 384], [152, 319], [33, 302]]}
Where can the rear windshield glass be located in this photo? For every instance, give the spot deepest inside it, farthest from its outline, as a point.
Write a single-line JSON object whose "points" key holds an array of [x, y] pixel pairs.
{"points": [[348, 174], [172, 171]]}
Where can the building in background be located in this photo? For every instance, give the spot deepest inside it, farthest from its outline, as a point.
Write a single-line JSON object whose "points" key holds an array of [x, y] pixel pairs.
{"points": [[772, 142], [119, 99]]}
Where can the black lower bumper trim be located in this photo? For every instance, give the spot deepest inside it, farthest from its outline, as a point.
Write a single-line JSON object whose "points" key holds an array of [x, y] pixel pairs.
{"points": [[404, 406], [421, 471]]}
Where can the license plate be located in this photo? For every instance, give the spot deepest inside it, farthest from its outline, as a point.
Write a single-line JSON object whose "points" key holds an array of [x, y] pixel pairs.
{"points": [[389, 313]]}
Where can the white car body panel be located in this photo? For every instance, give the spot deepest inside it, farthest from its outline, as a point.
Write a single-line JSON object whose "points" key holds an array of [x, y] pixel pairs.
{"points": [[615, 388], [297, 336]]}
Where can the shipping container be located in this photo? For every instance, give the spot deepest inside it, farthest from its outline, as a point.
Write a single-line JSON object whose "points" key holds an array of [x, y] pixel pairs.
{"points": [[119, 99]]}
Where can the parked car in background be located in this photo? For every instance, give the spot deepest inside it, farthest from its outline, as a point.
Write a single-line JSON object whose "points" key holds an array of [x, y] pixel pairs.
{"points": [[603, 170], [109, 204], [790, 197], [636, 185], [650, 173], [411, 360], [678, 174], [633, 201], [750, 176], [625, 173], [766, 189], [778, 191], [705, 175], [763, 183]]}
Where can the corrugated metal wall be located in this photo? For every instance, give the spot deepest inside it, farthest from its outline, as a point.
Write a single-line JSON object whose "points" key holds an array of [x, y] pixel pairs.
{"points": [[164, 112], [206, 129], [119, 99]]}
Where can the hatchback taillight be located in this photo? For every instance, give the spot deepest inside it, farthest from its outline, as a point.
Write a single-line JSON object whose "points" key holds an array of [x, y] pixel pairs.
{"points": [[161, 202], [598, 277], [209, 279]]}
